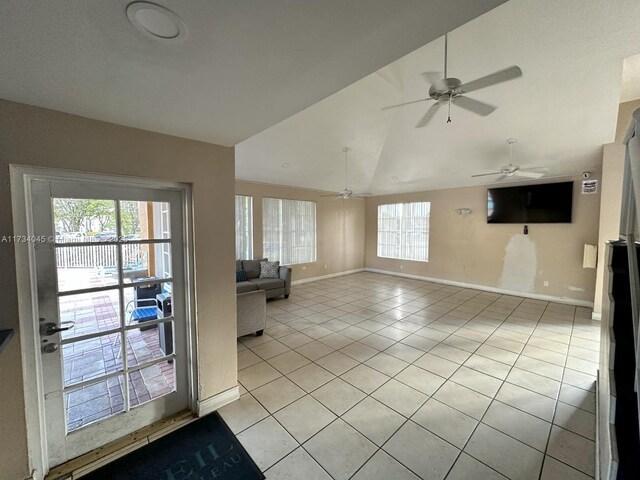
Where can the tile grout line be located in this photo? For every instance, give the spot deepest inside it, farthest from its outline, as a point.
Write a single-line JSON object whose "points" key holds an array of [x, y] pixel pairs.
{"points": [[463, 301], [480, 420], [555, 409]]}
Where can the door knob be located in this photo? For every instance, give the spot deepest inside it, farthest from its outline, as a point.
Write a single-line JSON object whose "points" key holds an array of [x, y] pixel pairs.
{"points": [[50, 328]]}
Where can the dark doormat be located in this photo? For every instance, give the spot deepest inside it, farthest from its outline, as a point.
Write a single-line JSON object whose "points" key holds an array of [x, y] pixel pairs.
{"points": [[204, 449]]}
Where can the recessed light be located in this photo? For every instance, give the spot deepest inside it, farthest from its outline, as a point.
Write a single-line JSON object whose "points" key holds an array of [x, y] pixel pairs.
{"points": [[284, 165], [394, 178], [156, 21]]}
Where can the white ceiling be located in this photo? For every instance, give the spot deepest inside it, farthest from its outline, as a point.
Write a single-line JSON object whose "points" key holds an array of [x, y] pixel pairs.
{"points": [[561, 111], [244, 65], [630, 89]]}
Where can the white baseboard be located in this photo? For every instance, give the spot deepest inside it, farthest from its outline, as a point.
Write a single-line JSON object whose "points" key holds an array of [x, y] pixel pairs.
{"points": [[596, 316], [211, 404], [535, 296], [324, 277]]}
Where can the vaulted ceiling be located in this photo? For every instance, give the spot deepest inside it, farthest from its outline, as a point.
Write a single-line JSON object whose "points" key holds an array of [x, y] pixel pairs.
{"points": [[294, 81], [561, 111]]}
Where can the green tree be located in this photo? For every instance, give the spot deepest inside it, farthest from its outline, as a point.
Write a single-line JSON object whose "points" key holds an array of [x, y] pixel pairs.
{"points": [[102, 212], [71, 212], [130, 217], [78, 214]]}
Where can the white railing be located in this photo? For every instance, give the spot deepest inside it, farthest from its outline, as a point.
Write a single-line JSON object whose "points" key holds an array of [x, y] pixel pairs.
{"points": [[93, 256]]}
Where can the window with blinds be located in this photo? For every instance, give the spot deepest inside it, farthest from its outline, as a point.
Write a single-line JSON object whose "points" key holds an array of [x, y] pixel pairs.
{"points": [[403, 231], [289, 230], [244, 227]]}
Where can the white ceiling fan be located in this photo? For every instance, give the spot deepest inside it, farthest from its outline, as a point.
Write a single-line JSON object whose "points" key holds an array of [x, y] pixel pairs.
{"points": [[511, 169], [346, 193], [448, 91]]}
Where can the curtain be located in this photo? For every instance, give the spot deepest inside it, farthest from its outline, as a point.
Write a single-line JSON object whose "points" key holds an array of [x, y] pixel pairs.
{"points": [[403, 231], [244, 227], [289, 230]]}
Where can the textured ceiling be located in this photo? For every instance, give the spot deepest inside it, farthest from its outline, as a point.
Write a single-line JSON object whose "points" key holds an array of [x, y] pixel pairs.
{"points": [[244, 65], [561, 111]]}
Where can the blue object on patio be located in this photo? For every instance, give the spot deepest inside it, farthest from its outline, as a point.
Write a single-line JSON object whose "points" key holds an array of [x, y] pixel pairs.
{"points": [[141, 314], [144, 307]]}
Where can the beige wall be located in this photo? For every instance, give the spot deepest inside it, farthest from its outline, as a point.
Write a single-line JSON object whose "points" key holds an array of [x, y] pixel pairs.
{"points": [[339, 227], [464, 248], [35, 136], [610, 204]]}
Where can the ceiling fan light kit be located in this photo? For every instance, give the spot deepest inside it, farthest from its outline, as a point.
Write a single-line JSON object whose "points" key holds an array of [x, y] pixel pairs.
{"points": [[449, 91]]}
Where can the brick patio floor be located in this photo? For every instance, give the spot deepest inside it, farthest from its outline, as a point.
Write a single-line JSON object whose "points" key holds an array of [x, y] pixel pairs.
{"points": [[88, 359]]}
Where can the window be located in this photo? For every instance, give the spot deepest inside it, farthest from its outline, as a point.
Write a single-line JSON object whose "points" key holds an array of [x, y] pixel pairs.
{"points": [[289, 230], [403, 231], [244, 227]]}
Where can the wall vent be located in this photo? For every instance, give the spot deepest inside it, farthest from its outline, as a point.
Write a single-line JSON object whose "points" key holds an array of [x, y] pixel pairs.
{"points": [[589, 186]]}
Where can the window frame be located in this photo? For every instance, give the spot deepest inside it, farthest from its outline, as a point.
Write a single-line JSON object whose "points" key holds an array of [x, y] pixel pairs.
{"points": [[401, 231]]}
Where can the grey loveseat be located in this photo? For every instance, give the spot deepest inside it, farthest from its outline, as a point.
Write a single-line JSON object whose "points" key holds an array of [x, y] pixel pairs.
{"points": [[273, 287]]}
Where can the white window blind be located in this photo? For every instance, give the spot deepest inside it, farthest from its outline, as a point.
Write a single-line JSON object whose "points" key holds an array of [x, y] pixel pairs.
{"points": [[289, 230], [244, 227], [403, 231]]}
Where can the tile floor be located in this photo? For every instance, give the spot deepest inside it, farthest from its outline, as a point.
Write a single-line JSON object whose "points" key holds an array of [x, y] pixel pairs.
{"points": [[370, 376]]}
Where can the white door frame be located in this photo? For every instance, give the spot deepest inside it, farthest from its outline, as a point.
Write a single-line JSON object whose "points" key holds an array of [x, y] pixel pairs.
{"points": [[28, 300]]}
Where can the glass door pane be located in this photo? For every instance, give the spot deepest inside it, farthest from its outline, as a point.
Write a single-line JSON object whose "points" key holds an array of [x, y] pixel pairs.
{"points": [[119, 353]]}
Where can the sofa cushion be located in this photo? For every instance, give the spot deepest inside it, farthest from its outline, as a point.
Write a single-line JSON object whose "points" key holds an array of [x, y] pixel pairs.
{"points": [[252, 267], [241, 276], [268, 283], [238, 265], [244, 287], [269, 269]]}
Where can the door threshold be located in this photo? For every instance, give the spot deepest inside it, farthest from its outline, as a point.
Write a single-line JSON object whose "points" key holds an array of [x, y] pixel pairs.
{"points": [[90, 461]]}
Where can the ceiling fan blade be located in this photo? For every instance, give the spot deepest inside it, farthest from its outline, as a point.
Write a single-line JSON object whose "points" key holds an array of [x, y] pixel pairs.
{"points": [[426, 118], [475, 106], [435, 80], [498, 77], [485, 174], [331, 195], [407, 103], [522, 173], [361, 194]]}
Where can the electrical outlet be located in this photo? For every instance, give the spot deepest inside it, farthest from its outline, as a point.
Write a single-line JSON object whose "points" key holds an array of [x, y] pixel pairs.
{"points": [[401, 267], [325, 266], [546, 283], [304, 267]]}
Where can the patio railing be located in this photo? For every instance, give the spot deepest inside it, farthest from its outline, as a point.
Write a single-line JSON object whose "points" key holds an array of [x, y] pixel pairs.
{"points": [[93, 256]]}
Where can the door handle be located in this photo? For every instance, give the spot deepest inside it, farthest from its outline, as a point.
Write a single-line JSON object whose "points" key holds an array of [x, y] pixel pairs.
{"points": [[50, 328]]}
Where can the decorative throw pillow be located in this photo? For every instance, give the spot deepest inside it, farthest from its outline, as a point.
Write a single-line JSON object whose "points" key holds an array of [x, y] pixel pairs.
{"points": [[241, 276], [269, 269]]}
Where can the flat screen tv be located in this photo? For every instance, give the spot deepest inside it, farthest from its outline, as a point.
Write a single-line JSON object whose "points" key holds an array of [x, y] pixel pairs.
{"points": [[543, 203]]}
